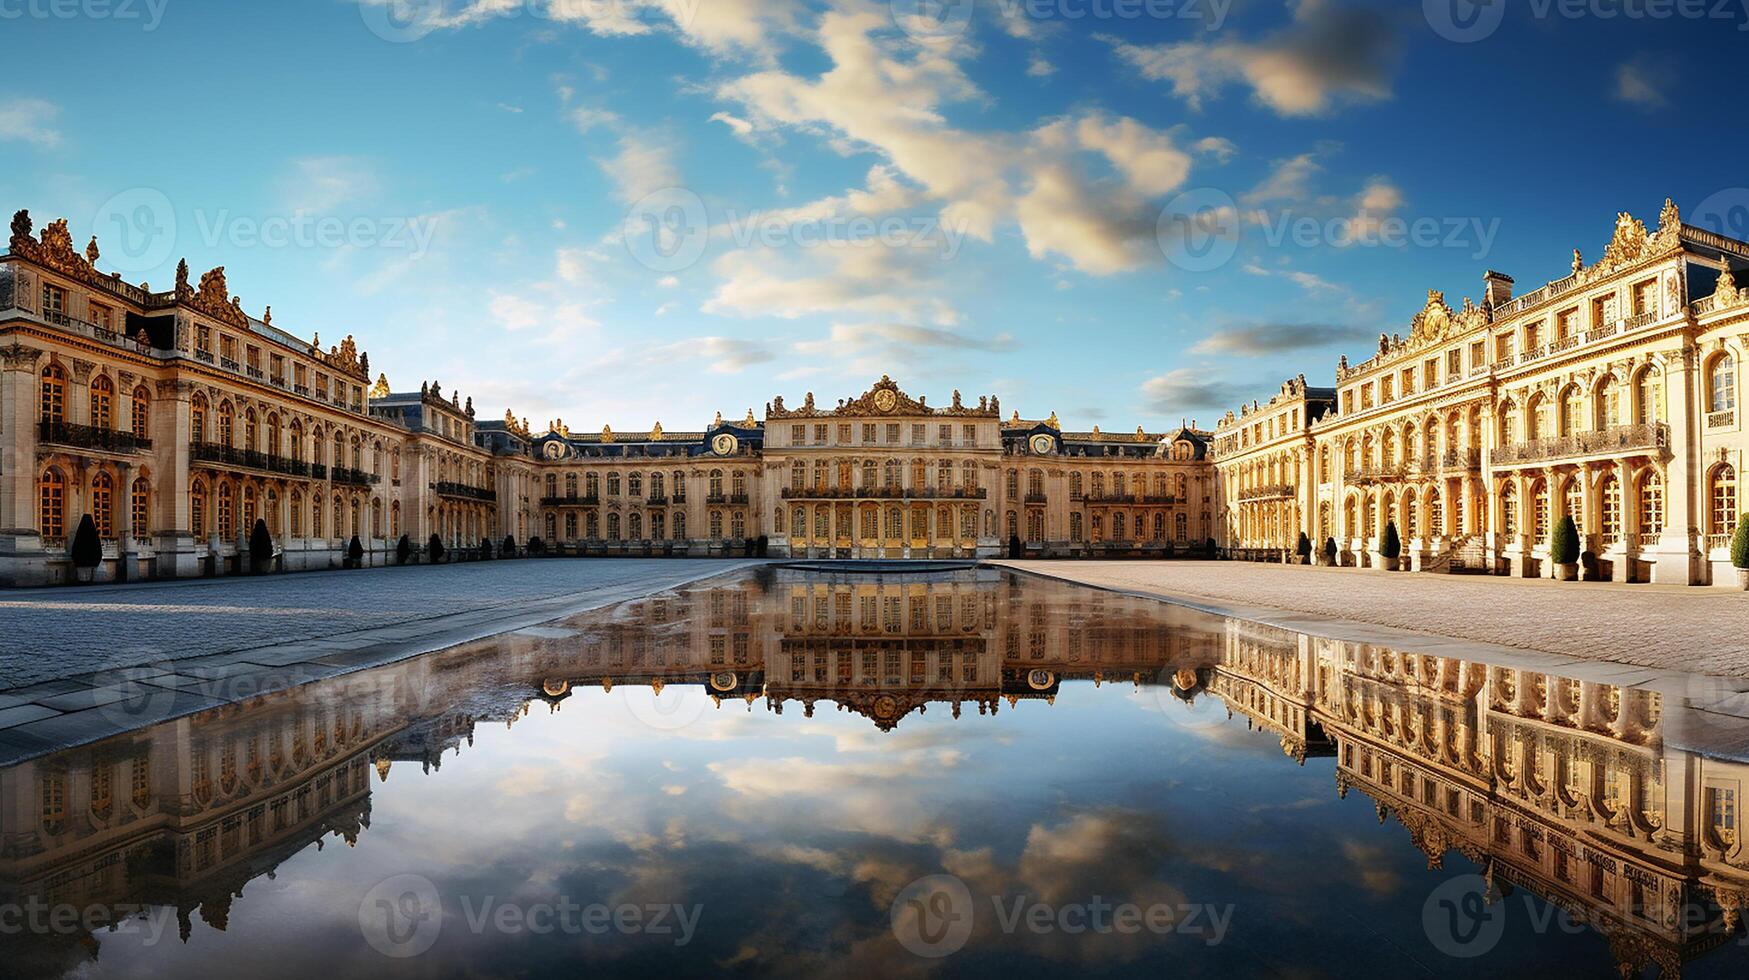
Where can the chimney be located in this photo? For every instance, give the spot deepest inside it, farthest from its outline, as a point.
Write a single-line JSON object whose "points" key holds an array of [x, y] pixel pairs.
{"points": [[1496, 288]]}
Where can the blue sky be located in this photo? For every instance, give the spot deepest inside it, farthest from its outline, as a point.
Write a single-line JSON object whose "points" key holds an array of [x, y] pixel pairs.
{"points": [[843, 189]]}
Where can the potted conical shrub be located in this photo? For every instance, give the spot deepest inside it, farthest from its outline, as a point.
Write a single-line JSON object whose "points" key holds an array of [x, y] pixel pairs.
{"points": [[403, 550], [508, 550], [1564, 550], [1304, 550], [434, 549], [1392, 549], [260, 547], [87, 549], [1330, 552], [1740, 553], [355, 552]]}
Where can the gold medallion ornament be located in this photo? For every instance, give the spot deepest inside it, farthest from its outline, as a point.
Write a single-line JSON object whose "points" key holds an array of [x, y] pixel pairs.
{"points": [[1043, 445], [1040, 680], [724, 680], [554, 449], [725, 445], [886, 400]]}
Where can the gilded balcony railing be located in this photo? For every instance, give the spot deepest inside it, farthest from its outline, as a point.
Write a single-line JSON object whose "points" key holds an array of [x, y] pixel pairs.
{"points": [[1650, 437]]}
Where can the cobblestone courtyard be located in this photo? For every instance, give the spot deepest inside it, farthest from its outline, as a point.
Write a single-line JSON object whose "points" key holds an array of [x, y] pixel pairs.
{"points": [[1697, 629], [54, 633]]}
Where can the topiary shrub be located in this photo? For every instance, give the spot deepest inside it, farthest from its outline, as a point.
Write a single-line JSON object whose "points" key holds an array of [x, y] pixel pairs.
{"points": [[1304, 548], [485, 549], [536, 546], [1564, 549], [1014, 546], [1740, 545], [1393, 545], [1330, 550], [87, 548], [355, 552], [508, 549], [434, 549], [1213, 549], [763, 546], [404, 550], [260, 547]]}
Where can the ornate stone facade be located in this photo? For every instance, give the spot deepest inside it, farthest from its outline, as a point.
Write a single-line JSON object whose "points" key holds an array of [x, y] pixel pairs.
{"points": [[177, 420], [1609, 395]]}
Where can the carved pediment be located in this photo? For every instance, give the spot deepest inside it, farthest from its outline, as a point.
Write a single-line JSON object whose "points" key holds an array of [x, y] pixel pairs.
{"points": [[212, 298], [885, 399]]}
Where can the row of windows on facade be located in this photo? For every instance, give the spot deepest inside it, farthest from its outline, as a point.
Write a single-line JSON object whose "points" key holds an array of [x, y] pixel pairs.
{"points": [[798, 435], [634, 484], [660, 528], [1529, 338], [231, 510], [103, 405], [1412, 511]]}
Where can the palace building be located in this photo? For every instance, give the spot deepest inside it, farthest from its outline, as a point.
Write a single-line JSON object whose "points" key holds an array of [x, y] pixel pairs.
{"points": [[177, 421]]}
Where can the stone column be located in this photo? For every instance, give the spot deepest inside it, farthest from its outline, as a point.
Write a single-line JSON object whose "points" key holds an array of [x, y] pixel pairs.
{"points": [[1676, 557], [21, 558]]}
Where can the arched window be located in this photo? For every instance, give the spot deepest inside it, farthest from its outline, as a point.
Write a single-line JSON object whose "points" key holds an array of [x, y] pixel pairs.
{"points": [[52, 506], [140, 414], [139, 508], [296, 507], [1721, 384], [197, 418], [54, 394], [635, 526], [1651, 503], [1722, 494], [1606, 399], [1574, 500], [679, 525], [251, 430], [1181, 527], [273, 438], [716, 525], [197, 508], [1648, 398], [226, 528], [1539, 509], [1509, 509], [1568, 418], [227, 416], [102, 402], [103, 504], [657, 529], [317, 513], [1610, 519]]}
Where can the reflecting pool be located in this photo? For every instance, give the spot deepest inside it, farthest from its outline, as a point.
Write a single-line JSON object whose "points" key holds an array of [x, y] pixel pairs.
{"points": [[961, 773]]}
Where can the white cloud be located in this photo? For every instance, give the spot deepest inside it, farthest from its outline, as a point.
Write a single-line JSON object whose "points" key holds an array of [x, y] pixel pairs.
{"points": [[640, 166], [1328, 53], [722, 355], [322, 184], [586, 119], [1644, 81], [1038, 66], [29, 120], [1219, 147]]}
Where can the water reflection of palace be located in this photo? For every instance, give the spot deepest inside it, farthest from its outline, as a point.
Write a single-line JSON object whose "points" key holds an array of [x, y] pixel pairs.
{"points": [[1583, 792], [883, 647], [1567, 788]]}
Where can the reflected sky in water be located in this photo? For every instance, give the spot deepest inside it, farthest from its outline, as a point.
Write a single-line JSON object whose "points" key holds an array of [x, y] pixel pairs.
{"points": [[1224, 782]]}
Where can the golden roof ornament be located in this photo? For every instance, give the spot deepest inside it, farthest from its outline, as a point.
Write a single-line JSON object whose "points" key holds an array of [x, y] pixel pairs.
{"points": [[1578, 262], [607, 433], [751, 421], [719, 421], [381, 388], [1053, 423], [1726, 292], [656, 433], [267, 316], [91, 252], [1140, 435]]}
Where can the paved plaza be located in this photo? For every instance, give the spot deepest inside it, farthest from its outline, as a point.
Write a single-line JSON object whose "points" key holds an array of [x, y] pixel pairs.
{"points": [[1698, 629]]}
